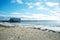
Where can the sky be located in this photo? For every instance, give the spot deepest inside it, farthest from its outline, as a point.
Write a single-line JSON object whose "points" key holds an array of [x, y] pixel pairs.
{"points": [[31, 9]]}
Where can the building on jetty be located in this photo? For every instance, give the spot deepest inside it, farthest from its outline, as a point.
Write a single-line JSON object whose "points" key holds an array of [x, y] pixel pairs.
{"points": [[11, 20], [14, 20]]}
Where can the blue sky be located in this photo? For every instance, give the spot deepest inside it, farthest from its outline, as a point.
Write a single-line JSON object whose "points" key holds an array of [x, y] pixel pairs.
{"points": [[31, 9]]}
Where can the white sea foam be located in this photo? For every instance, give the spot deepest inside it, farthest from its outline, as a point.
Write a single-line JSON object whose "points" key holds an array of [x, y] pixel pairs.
{"points": [[48, 27], [44, 27], [39, 26]]}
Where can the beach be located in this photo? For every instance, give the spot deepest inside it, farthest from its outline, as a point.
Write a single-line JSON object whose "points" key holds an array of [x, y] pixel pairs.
{"points": [[15, 32]]}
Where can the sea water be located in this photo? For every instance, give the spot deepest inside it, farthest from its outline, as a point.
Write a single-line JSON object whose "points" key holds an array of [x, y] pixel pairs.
{"points": [[40, 22], [49, 24]]}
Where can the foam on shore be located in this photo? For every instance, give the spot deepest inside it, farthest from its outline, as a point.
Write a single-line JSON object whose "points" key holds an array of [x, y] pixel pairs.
{"points": [[49, 28], [42, 27], [36, 26]]}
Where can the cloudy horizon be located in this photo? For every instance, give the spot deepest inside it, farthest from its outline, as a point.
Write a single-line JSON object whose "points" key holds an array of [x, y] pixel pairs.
{"points": [[31, 9]]}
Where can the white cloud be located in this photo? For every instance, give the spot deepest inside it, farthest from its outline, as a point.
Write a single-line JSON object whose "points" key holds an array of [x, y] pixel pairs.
{"points": [[15, 13], [51, 4], [52, 18], [31, 5], [37, 3], [44, 17], [56, 9], [39, 17], [42, 8], [16, 1], [55, 13], [19, 1], [28, 13]]}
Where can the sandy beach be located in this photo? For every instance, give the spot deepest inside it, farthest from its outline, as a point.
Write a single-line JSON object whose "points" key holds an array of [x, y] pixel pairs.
{"points": [[26, 33]]}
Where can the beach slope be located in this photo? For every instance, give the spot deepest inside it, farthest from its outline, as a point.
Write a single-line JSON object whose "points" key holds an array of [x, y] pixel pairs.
{"points": [[22, 33]]}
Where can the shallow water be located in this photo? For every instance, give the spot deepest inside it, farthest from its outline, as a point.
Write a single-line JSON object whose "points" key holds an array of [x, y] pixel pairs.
{"points": [[42, 22], [52, 25]]}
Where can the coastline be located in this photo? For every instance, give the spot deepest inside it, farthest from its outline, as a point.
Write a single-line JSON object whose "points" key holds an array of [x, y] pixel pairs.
{"points": [[15, 32]]}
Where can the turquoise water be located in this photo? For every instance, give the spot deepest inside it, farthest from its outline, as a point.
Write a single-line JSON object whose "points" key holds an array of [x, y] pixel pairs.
{"points": [[41, 22]]}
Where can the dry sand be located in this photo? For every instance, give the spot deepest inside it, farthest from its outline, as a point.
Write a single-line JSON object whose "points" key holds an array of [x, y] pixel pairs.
{"points": [[22, 33]]}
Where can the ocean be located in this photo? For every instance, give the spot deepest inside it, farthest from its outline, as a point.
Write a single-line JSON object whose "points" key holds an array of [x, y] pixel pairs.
{"points": [[45, 24], [51, 23]]}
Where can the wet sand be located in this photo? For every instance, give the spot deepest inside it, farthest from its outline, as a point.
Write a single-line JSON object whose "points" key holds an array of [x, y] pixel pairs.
{"points": [[23, 33]]}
